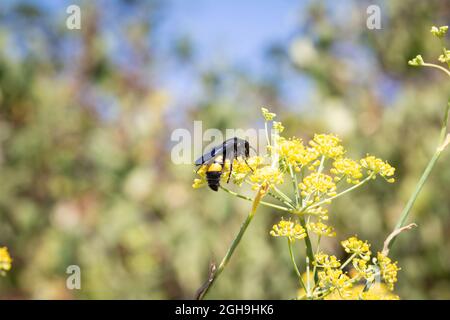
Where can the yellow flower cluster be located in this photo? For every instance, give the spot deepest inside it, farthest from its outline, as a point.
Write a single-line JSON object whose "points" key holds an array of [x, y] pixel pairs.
{"points": [[268, 116], [266, 175], [358, 247], [388, 270], [346, 168], [5, 260], [318, 184], [328, 145], [323, 260], [287, 228], [363, 269], [378, 291], [335, 280], [295, 153], [278, 126], [321, 229], [377, 166], [439, 32], [242, 169], [334, 283]]}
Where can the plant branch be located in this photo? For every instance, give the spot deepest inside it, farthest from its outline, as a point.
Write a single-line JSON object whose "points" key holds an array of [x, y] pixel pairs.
{"points": [[291, 254], [268, 204], [406, 211], [214, 274]]}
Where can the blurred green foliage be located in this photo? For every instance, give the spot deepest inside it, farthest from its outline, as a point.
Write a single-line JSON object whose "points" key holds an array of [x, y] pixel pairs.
{"points": [[86, 176]]}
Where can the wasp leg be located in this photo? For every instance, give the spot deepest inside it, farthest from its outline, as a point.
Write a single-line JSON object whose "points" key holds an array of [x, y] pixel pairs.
{"points": [[248, 165], [231, 170]]}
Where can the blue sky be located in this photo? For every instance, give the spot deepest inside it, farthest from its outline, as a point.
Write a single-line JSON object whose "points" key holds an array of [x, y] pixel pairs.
{"points": [[239, 29], [223, 33]]}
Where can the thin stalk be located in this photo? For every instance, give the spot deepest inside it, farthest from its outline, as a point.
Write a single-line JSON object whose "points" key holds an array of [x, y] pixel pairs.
{"points": [[317, 252], [282, 194], [267, 204], [318, 204], [309, 251], [432, 65], [275, 196], [348, 261], [294, 186], [291, 254], [234, 244], [406, 211]]}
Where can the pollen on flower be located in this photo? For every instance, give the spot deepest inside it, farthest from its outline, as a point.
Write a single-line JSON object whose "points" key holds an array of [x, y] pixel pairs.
{"points": [[388, 270], [355, 246], [335, 279], [287, 228], [5, 260], [241, 168], [321, 229], [268, 175], [377, 166], [295, 153], [328, 145], [318, 184], [347, 168], [363, 269], [323, 260]]}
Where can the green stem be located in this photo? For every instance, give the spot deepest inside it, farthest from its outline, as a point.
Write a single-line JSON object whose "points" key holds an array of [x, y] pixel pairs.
{"points": [[406, 211], [291, 254], [294, 186], [318, 204], [268, 204], [317, 252], [233, 246], [309, 250], [282, 194], [348, 261], [275, 196], [432, 65]]}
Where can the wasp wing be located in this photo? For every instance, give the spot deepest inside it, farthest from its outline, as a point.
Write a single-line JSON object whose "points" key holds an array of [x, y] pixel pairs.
{"points": [[226, 150]]}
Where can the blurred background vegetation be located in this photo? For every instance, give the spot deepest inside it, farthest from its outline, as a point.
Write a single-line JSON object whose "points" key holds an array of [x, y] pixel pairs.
{"points": [[86, 117]]}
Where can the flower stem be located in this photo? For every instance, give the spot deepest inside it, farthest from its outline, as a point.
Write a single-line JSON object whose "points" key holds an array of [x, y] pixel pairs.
{"points": [[309, 250], [261, 192], [268, 204], [318, 204], [348, 261], [275, 196], [406, 211], [432, 65], [291, 254]]}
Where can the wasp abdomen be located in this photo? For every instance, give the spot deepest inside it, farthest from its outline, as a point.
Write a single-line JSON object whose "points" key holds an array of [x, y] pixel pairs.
{"points": [[213, 176], [213, 179]]}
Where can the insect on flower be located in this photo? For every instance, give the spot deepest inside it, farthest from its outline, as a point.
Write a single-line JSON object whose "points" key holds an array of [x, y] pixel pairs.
{"points": [[230, 150]]}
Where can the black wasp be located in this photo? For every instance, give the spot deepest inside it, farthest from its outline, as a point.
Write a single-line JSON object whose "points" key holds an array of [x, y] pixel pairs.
{"points": [[229, 150]]}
